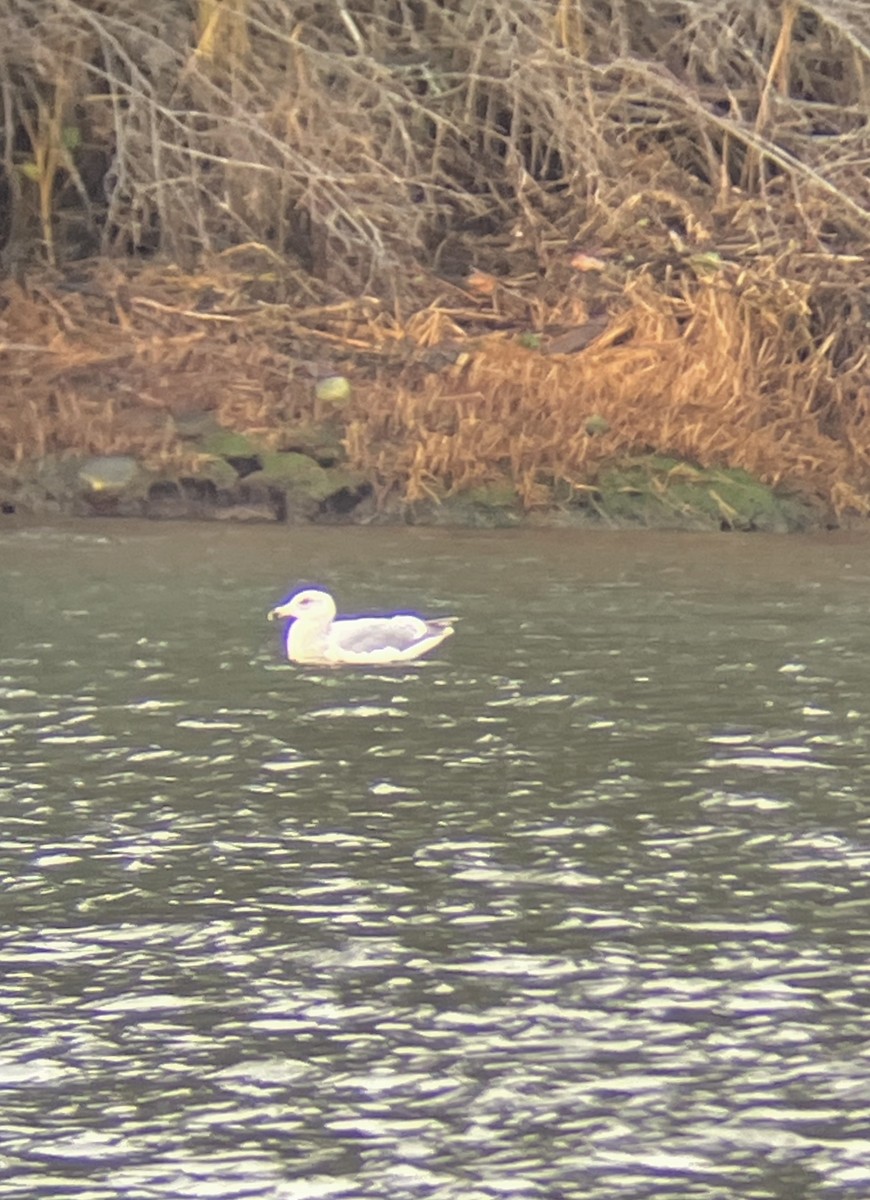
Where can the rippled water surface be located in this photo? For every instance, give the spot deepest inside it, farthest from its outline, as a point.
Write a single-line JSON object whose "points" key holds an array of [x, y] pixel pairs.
{"points": [[577, 909]]}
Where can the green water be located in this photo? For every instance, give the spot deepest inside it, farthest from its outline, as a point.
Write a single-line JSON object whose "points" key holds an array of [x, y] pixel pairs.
{"points": [[578, 908]]}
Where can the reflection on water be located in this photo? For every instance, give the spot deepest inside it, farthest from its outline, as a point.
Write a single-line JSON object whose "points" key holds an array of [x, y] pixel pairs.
{"points": [[577, 909]]}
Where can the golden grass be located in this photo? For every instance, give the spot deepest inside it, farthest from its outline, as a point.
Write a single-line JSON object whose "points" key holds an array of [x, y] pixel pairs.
{"points": [[358, 141], [726, 364], [726, 371]]}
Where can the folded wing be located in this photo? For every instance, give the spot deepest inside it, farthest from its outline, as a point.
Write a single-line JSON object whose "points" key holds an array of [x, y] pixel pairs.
{"points": [[386, 639]]}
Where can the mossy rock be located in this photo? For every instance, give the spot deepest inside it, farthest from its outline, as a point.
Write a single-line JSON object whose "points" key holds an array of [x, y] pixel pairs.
{"points": [[661, 492], [217, 470], [321, 440], [110, 474], [195, 425], [44, 485], [301, 477], [225, 443]]}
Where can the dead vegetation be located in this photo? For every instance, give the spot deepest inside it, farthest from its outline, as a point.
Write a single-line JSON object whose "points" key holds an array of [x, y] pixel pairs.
{"points": [[504, 221], [721, 372]]}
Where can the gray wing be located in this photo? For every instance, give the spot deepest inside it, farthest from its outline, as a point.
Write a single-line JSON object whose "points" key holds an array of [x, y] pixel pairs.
{"points": [[367, 635]]}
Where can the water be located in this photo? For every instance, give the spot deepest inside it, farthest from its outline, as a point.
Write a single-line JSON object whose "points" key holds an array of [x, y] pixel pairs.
{"points": [[577, 909]]}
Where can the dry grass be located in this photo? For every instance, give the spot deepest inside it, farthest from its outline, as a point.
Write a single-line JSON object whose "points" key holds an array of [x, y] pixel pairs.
{"points": [[360, 143], [106, 368], [724, 367], [726, 370], [691, 176]]}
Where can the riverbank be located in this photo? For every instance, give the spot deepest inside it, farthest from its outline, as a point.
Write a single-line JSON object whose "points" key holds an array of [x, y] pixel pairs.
{"points": [[648, 492], [158, 394], [502, 265]]}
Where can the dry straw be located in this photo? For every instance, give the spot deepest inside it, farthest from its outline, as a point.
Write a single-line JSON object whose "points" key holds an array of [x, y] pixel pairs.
{"points": [[725, 371], [704, 164]]}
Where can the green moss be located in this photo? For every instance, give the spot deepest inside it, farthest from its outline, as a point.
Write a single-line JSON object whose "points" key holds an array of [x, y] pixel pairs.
{"points": [[195, 426], [488, 506], [318, 439], [224, 443], [502, 494], [300, 476], [664, 492], [218, 471]]}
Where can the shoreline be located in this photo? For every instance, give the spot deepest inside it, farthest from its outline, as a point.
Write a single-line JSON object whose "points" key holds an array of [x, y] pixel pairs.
{"points": [[645, 493]]}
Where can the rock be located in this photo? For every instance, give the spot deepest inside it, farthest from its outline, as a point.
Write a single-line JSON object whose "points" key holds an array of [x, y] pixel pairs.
{"points": [[109, 474], [333, 389], [300, 475], [665, 493], [321, 440], [201, 499], [305, 487], [217, 471], [226, 443], [195, 425]]}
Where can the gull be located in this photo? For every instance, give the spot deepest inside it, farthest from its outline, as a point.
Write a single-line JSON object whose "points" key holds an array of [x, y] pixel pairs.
{"points": [[315, 634]]}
